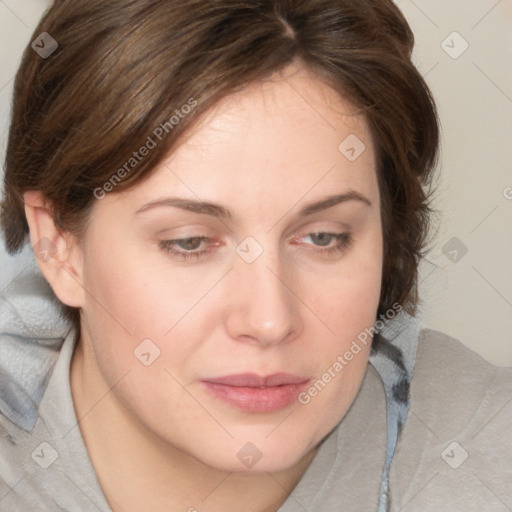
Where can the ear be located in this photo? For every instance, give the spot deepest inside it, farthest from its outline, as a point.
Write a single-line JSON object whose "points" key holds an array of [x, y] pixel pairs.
{"points": [[58, 254]]}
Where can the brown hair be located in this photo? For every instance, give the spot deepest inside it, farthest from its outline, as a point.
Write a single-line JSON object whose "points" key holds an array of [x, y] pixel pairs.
{"points": [[123, 68]]}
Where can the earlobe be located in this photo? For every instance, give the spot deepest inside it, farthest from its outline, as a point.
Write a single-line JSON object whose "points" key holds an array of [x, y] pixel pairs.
{"points": [[57, 253]]}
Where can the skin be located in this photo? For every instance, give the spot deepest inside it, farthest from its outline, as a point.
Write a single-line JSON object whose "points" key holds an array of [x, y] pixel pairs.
{"points": [[264, 154]]}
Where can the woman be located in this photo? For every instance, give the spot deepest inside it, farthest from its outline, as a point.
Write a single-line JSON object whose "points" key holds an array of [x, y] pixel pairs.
{"points": [[229, 200]]}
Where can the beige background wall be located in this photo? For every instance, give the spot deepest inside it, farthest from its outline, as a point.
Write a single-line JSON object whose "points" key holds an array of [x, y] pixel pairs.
{"points": [[464, 49], [470, 296]]}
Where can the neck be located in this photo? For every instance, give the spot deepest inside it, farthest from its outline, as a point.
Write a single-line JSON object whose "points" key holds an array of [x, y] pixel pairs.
{"points": [[137, 470]]}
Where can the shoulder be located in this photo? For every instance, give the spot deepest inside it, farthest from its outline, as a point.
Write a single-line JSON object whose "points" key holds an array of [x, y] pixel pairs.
{"points": [[437, 347], [44, 465], [454, 452]]}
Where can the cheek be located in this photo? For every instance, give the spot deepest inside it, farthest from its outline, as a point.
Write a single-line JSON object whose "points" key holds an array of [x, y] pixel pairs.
{"points": [[348, 299], [123, 291], [139, 305], [333, 390], [122, 308], [341, 355], [348, 307]]}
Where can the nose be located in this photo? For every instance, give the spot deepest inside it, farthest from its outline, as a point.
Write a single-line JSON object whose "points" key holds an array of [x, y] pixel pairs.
{"points": [[263, 307]]}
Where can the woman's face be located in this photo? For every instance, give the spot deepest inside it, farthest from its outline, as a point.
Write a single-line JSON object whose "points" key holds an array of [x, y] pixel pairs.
{"points": [[237, 276]]}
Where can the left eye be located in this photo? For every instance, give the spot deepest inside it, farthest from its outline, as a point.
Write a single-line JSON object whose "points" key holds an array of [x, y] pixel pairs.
{"points": [[322, 242], [322, 239]]}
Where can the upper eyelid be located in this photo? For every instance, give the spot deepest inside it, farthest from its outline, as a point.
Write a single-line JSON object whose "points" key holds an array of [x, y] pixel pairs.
{"points": [[293, 230]]}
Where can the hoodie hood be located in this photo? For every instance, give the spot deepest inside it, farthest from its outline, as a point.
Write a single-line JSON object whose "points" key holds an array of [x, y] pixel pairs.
{"points": [[393, 355]]}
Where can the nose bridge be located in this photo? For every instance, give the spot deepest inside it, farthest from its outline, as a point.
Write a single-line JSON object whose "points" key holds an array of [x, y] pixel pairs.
{"points": [[264, 308]]}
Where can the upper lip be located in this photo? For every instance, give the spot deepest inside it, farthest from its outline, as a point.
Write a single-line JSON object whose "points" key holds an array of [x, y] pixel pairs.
{"points": [[252, 380]]}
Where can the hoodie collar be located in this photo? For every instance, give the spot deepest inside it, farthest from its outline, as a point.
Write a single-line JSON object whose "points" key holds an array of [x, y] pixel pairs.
{"points": [[393, 355]]}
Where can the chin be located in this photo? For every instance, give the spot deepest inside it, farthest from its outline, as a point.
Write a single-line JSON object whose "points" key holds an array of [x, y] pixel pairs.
{"points": [[253, 457]]}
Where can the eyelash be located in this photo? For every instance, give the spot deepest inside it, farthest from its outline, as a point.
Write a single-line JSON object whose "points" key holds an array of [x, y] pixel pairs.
{"points": [[344, 241]]}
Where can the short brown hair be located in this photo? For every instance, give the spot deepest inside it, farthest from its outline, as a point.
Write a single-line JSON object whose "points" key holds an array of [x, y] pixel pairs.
{"points": [[123, 68]]}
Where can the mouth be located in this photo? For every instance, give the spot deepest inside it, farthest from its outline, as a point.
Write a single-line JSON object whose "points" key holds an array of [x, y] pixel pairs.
{"points": [[255, 393]]}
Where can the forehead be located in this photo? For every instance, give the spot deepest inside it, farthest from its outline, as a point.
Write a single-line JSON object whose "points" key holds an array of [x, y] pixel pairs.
{"points": [[283, 109], [278, 140]]}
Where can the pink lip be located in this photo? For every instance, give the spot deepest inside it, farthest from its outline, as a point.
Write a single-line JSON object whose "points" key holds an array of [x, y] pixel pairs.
{"points": [[256, 393]]}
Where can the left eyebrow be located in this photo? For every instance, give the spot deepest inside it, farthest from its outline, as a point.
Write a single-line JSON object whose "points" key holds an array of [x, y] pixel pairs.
{"points": [[329, 202], [216, 210]]}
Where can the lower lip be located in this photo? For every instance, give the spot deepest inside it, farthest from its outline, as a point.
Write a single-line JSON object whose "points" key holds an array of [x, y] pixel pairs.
{"points": [[257, 399]]}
